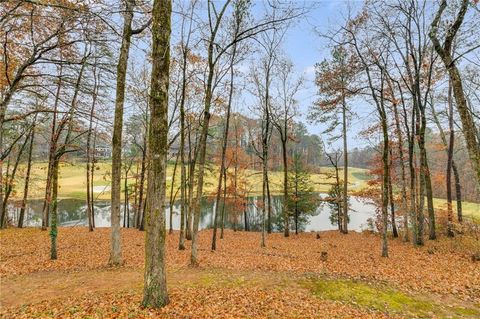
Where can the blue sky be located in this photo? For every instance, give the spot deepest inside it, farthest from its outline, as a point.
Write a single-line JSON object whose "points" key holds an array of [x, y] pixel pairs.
{"points": [[305, 47]]}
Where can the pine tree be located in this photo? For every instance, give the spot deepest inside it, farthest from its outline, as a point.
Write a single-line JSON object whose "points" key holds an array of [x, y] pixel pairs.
{"points": [[302, 200]]}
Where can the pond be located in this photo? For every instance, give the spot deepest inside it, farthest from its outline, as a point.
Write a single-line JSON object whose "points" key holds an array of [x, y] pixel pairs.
{"points": [[72, 212]]}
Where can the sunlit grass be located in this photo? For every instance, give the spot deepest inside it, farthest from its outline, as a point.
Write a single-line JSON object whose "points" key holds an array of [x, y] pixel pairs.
{"points": [[72, 179], [470, 210], [386, 299], [73, 182]]}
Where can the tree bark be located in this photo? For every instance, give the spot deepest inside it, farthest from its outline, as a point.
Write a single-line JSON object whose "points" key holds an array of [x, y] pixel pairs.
{"points": [[445, 53], [196, 207], [458, 192], [141, 200], [89, 154], [92, 174], [155, 283], [224, 146], [224, 203], [385, 183], [52, 150], [27, 176], [53, 227], [172, 197], [345, 165], [115, 247], [390, 195], [449, 165], [402, 173], [11, 180], [286, 213]]}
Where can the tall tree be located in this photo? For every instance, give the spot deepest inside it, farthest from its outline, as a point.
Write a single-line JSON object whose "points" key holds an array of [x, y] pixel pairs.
{"points": [[90, 151], [27, 175], [240, 12], [283, 113], [155, 283], [215, 18], [128, 31], [334, 79], [445, 51], [374, 69], [185, 52]]}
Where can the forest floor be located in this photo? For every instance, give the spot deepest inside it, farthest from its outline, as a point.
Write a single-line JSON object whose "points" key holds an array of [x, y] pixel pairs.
{"points": [[287, 279]]}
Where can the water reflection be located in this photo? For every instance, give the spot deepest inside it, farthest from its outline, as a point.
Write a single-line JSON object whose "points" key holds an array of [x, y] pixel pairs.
{"points": [[72, 212]]}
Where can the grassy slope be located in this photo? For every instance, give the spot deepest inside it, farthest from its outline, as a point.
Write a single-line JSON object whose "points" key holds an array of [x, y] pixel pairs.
{"points": [[73, 182], [471, 210]]}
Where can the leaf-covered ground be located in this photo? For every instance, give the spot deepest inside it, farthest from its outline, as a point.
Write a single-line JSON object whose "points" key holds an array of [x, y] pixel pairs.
{"points": [[287, 279]]}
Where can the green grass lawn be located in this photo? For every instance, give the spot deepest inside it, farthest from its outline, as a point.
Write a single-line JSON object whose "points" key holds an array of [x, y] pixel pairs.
{"points": [[73, 182], [386, 299], [72, 179], [470, 210]]}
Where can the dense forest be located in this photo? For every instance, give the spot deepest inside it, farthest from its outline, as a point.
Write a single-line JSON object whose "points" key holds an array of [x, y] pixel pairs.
{"points": [[183, 145]]}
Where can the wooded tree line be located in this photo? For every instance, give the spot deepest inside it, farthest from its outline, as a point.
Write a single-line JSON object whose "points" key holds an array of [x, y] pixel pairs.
{"points": [[179, 74], [417, 69]]}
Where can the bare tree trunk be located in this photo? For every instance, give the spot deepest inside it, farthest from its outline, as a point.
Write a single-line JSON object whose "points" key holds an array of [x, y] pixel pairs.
{"points": [[427, 182], [53, 228], [445, 53], [420, 137], [385, 185], [269, 203], [126, 209], [458, 192], [224, 203], [345, 166], [449, 165], [264, 190], [116, 248], [172, 197], [52, 150], [135, 197], [412, 173], [141, 200], [10, 181], [89, 152], [390, 195], [183, 181], [201, 170], [202, 145], [191, 183], [402, 173], [27, 176], [224, 147], [286, 213], [458, 187], [155, 283], [92, 174], [379, 103]]}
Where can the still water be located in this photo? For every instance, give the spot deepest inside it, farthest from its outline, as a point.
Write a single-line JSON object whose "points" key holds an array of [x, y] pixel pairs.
{"points": [[72, 212]]}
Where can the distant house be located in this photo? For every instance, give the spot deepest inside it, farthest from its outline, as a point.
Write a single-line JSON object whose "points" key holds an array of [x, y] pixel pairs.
{"points": [[103, 151], [174, 150]]}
